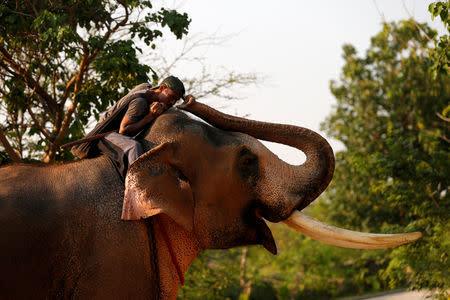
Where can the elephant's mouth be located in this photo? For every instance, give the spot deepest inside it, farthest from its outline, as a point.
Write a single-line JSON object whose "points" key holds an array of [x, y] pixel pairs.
{"points": [[327, 233], [265, 236]]}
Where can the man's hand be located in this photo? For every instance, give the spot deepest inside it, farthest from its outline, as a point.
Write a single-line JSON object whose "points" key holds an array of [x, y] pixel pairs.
{"points": [[129, 128], [188, 101], [156, 108]]}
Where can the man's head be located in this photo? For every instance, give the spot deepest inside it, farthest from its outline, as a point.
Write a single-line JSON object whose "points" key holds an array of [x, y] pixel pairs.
{"points": [[171, 90]]}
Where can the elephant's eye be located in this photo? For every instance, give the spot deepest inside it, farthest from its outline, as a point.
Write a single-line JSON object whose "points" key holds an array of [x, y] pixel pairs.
{"points": [[179, 175], [248, 165], [249, 161]]}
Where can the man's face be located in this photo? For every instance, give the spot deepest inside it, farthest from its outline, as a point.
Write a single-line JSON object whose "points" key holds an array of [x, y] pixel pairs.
{"points": [[167, 96]]}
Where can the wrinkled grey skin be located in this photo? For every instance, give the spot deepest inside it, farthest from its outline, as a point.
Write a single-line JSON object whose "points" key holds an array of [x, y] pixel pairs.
{"points": [[62, 237], [61, 233]]}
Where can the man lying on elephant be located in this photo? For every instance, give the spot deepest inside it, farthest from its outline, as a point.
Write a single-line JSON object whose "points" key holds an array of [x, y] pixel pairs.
{"points": [[128, 117]]}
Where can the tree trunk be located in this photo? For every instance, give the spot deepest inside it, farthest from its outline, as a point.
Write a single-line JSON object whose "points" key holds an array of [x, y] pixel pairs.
{"points": [[10, 150]]}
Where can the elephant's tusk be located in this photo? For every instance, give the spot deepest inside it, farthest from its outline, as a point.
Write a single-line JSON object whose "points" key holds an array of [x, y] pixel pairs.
{"points": [[346, 238]]}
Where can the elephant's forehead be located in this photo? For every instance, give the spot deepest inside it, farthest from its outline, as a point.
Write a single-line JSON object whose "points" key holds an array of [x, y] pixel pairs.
{"points": [[177, 125]]}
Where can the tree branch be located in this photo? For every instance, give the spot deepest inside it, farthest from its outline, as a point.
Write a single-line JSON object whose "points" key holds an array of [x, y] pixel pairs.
{"points": [[415, 23], [442, 117], [34, 8], [77, 80], [37, 124], [10, 150], [27, 79]]}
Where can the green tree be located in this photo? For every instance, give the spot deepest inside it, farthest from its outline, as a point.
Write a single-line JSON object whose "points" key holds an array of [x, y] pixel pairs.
{"points": [[303, 269], [394, 174], [392, 177], [214, 274], [440, 55], [62, 62]]}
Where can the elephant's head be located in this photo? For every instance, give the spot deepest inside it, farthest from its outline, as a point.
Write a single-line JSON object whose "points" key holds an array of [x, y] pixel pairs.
{"points": [[219, 183]]}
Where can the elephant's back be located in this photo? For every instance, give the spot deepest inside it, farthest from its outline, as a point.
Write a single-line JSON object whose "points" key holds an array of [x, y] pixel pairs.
{"points": [[53, 221], [29, 189], [41, 194], [68, 182], [18, 178]]}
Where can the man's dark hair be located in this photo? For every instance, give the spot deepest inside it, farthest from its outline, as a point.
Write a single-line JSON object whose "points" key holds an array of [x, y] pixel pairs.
{"points": [[174, 84]]}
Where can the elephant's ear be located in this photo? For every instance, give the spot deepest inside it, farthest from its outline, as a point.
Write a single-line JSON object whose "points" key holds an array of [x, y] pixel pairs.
{"points": [[155, 185]]}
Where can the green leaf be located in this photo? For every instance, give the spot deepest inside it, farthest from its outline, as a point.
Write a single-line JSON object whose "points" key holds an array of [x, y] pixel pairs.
{"points": [[51, 42]]}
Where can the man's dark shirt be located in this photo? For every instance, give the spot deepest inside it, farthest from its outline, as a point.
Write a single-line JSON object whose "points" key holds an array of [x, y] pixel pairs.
{"points": [[134, 105], [137, 108]]}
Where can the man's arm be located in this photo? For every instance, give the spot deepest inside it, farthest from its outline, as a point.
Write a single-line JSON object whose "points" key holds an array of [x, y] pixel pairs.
{"points": [[129, 128]]}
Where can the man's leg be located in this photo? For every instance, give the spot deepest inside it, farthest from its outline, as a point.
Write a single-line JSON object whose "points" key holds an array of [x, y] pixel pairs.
{"points": [[131, 148]]}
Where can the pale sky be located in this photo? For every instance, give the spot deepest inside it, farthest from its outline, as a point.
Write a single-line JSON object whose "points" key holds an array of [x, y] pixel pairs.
{"points": [[297, 46]]}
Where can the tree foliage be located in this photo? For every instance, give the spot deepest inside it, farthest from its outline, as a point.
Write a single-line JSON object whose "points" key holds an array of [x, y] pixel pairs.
{"points": [[394, 175], [303, 269], [440, 55], [63, 62]]}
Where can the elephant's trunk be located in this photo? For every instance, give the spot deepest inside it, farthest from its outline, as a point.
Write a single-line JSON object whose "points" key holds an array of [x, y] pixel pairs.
{"points": [[309, 179]]}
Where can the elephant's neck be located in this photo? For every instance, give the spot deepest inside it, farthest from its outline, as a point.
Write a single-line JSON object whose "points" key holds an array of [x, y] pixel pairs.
{"points": [[185, 247]]}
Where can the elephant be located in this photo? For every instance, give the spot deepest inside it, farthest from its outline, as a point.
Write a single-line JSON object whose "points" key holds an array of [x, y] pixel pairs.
{"points": [[76, 230]]}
